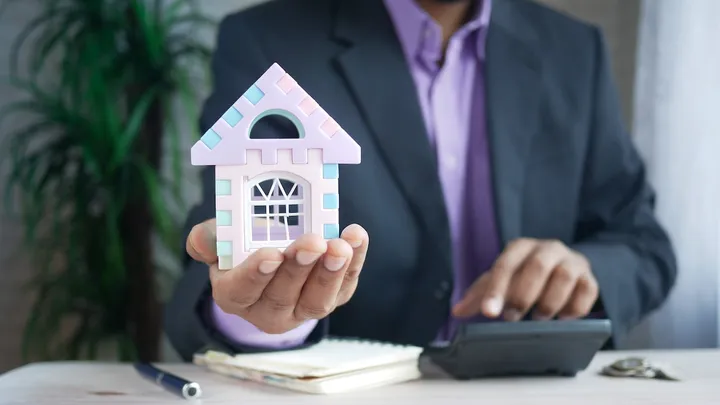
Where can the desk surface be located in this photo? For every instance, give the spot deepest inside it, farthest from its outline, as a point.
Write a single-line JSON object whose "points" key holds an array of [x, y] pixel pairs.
{"points": [[101, 383]]}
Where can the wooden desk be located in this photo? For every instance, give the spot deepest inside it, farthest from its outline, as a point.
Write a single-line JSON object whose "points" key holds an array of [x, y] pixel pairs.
{"points": [[98, 383]]}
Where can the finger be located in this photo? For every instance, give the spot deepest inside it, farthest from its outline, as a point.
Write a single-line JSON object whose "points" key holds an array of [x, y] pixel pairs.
{"points": [[358, 239], [282, 293], [237, 289], [528, 282], [201, 242], [557, 292], [319, 294], [472, 303], [582, 300], [490, 299]]}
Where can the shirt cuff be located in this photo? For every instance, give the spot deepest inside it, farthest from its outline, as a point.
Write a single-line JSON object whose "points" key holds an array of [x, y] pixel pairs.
{"points": [[243, 332]]}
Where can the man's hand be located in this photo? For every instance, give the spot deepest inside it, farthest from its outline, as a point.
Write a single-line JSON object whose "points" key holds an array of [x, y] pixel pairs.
{"points": [[546, 275], [277, 291]]}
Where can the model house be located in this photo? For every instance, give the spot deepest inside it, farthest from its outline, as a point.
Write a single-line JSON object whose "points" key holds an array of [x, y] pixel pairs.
{"points": [[270, 191]]}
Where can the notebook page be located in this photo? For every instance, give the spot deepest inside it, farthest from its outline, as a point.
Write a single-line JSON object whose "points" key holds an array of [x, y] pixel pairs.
{"points": [[326, 358]]}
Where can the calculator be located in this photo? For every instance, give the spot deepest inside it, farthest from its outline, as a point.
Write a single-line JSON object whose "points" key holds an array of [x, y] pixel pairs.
{"points": [[525, 348]]}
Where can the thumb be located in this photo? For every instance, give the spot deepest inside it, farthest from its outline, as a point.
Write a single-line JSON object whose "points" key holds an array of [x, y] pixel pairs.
{"points": [[201, 243]]}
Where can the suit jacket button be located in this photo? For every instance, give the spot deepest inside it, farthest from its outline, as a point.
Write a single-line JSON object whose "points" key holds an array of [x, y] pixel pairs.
{"points": [[439, 294], [445, 286]]}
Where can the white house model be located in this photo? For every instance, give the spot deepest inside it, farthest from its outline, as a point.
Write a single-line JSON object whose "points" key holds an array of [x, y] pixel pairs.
{"points": [[270, 191]]}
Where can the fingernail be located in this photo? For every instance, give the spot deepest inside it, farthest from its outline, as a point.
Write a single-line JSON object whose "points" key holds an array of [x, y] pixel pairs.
{"points": [[209, 235], [512, 315], [494, 306], [355, 243], [305, 257], [334, 263], [268, 266]]}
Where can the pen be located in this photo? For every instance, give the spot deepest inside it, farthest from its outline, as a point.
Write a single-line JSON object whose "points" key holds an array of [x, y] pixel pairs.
{"points": [[175, 384]]}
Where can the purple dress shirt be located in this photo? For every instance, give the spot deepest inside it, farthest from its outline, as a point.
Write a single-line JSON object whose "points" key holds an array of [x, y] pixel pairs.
{"points": [[452, 101]]}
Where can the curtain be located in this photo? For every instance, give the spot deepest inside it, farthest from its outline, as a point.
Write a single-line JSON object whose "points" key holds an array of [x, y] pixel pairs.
{"points": [[677, 129]]}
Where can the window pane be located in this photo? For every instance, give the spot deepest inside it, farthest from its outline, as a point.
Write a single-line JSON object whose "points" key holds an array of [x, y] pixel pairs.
{"points": [[277, 212]]}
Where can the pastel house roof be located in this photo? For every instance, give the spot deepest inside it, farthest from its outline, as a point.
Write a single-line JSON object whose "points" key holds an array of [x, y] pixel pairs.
{"points": [[275, 92]]}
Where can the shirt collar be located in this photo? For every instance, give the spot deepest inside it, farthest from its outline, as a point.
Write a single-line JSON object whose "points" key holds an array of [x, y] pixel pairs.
{"points": [[421, 36]]}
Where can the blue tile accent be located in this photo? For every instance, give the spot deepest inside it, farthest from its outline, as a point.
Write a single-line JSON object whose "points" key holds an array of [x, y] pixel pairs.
{"points": [[222, 187], [232, 116], [224, 248], [211, 138], [254, 94], [330, 201], [223, 218], [331, 231], [331, 171]]}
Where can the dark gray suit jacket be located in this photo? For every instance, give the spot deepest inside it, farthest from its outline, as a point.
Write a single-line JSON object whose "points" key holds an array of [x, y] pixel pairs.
{"points": [[563, 165]]}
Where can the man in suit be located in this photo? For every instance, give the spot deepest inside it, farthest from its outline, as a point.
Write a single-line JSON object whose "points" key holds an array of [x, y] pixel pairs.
{"points": [[497, 180]]}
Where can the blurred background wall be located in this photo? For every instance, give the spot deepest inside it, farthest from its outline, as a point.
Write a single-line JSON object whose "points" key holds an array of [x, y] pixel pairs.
{"points": [[677, 131], [14, 303], [618, 19]]}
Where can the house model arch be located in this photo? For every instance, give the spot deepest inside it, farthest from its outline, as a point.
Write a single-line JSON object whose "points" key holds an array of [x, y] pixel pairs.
{"points": [[269, 191]]}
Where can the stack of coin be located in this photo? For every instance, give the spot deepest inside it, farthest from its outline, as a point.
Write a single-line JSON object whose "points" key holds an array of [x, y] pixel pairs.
{"points": [[638, 367]]}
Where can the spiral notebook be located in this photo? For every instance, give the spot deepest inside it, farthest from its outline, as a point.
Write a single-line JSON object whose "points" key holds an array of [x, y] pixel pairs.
{"points": [[331, 366]]}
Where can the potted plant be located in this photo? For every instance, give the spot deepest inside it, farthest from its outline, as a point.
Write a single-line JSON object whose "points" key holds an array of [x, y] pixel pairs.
{"points": [[95, 171]]}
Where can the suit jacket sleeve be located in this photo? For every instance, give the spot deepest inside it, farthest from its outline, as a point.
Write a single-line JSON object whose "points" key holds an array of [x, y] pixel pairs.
{"points": [[630, 253], [237, 62]]}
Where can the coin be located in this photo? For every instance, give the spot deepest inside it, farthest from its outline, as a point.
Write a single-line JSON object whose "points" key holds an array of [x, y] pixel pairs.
{"points": [[611, 371], [631, 363], [665, 372], [637, 367]]}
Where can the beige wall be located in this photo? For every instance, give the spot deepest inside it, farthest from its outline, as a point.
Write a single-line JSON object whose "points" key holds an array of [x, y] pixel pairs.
{"points": [[617, 18]]}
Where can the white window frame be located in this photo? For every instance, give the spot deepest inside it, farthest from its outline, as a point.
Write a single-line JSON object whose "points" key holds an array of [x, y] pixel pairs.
{"points": [[305, 213]]}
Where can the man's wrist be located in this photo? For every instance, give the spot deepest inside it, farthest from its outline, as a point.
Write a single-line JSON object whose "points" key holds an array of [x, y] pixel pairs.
{"points": [[240, 331]]}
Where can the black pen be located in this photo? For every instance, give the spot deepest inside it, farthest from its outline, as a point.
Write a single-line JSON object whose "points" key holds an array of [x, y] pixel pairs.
{"points": [[175, 384]]}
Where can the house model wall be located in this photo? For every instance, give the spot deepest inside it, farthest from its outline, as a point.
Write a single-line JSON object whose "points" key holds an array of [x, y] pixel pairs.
{"points": [[270, 191]]}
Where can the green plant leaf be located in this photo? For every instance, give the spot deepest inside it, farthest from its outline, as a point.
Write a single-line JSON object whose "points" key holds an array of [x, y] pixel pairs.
{"points": [[48, 43], [150, 35], [100, 81], [133, 126]]}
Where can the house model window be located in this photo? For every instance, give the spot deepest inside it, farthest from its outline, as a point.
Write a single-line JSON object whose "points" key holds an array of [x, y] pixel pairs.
{"points": [[270, 191]]}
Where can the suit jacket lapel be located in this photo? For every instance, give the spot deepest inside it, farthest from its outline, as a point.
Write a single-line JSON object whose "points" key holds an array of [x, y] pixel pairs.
{"points": [[513, 77], [513, 83], [376, 72]]}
